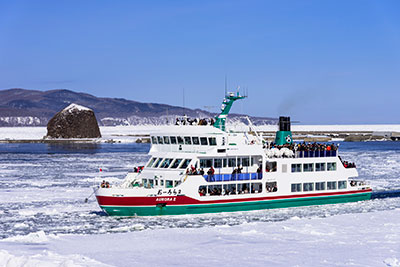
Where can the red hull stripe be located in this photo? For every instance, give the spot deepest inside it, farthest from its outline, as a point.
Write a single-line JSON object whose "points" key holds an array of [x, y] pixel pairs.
{"points": [[185, 200]]}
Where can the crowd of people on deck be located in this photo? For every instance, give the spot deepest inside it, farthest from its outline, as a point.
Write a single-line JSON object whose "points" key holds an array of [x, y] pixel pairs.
{"points": [[307, 146], [188, 121], [105, 184]]}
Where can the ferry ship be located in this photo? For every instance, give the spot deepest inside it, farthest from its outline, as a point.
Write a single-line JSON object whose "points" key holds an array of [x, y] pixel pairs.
{"points": [[208, 169]]}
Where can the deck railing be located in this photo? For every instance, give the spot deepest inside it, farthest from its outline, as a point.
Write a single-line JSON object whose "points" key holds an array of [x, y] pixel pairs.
{"points": [[233, 177], [315, 154]]}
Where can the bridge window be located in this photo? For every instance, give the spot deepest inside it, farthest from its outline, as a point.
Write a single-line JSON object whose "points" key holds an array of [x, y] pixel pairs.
{"points": [[160, 140], [173, 140], [331, 185], [296, 167], [157, 163], [185, 163], [331, 166], [176, 163], [154, 140], [296, 187], [180, 140], [203, 141], [308, 167], [212, 141], [319, 167], [195, 140], [166, 163], [188, 140], [151, 162], [320, 186], [308, 187], [166, 140], [342, 185]]}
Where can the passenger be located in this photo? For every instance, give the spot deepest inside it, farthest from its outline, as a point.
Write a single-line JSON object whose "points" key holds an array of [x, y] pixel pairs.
{"points": [[210, 173], [103, 184], [275, 189], [239, 169], [107, 185], [201, 172], [135, 169]]}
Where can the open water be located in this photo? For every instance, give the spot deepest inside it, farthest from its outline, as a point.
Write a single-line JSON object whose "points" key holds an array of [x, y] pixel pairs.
{"points": [[43, 188]]}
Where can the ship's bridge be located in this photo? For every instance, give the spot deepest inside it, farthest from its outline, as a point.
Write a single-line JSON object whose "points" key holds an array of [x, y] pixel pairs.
{"points": [[198, 139]]}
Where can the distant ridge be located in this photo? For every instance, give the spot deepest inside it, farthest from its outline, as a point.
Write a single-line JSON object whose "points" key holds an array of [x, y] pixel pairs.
{"points": [[21, 107]]}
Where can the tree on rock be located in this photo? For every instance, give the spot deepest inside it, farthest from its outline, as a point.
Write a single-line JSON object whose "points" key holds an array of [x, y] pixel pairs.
{"points": [[74, 121]]}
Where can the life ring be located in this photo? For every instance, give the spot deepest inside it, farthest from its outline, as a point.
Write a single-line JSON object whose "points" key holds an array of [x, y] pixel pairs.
{"points": [[288, 139]]}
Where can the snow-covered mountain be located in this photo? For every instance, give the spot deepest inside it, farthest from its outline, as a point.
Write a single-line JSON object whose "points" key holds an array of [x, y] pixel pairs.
{"points": [[21, 107]]}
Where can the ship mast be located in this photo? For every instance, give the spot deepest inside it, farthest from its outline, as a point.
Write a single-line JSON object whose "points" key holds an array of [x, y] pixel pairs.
{"points": [[225, 108]]}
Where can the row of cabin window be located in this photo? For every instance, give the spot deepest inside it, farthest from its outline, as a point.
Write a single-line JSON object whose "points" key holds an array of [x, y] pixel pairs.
{"points": [[168, 163], [230, 189], [229, 162], [150, 183], [309, 167], [185, 140], [319, 186]]}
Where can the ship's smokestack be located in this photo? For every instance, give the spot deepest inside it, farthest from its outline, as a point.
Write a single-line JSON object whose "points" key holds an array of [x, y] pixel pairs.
{"points": [[284, 123]]}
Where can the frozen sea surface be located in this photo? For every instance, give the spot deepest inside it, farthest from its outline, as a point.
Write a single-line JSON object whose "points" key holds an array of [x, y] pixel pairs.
{"points": [[43, 188]]}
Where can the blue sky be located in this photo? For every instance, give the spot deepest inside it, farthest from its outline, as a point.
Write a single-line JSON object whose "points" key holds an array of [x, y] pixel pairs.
{"points": [[321, 62]]}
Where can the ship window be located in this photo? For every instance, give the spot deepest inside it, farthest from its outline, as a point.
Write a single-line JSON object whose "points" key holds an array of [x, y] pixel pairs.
{"points": [[256, 188], [245, 162], [319, 167], [331, 185], [195, 140], [308, 187], [166, 163], [224, 162], [212, 141], [296, 187], [271, 187], [185, 163], [173, 139], [160, 140], [176, 163], [243, 188], [203, 141], [230, 189], [157, 162], [166, 140], [180, 140], [342, 185], [205, 163], [270, 166], [331, 166], [188, 140], [320, 186], [308, 167], [169, 183], [154, 140], [215, 190], [144, 181], [217, 163], [151, 162], [256, 160], [296, 167], [232, 162], [162, 183], [202, 190], [151, 183]]}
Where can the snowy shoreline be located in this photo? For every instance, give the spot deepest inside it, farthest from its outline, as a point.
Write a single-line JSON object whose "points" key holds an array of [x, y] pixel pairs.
{"points": [[130, 134]]}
